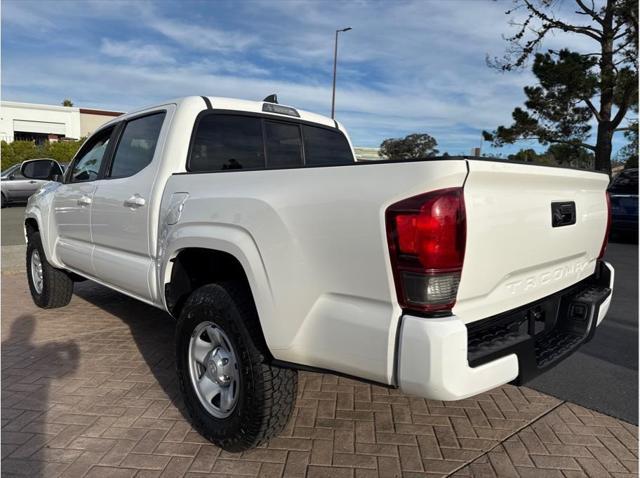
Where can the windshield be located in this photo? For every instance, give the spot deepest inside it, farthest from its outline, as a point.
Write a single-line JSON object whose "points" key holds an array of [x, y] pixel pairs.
{"points": [[10, 170]]}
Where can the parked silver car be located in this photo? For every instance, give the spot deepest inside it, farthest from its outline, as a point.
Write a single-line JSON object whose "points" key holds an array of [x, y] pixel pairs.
{"points": [[16, 188]]}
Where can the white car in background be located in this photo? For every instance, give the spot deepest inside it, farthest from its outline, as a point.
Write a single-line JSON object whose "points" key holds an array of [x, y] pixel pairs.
{"points": [[252, 224], [17, 188]]}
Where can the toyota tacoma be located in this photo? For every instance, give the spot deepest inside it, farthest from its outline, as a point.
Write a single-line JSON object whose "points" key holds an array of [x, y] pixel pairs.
{"points": [[254, 226]]}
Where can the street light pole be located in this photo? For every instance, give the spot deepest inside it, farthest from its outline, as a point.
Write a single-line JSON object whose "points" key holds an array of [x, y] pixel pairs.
{"points": [[335, 66]]}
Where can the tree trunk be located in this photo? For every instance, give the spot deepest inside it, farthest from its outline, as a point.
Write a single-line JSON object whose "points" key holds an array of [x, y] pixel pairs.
{"points": [[604, 147], [607, 84]]}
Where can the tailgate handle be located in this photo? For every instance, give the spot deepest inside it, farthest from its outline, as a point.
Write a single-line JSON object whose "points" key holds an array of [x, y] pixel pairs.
{"points": [[563, 213]]}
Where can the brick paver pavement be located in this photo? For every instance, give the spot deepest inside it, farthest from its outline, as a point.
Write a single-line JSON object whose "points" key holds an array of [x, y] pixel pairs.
{"points": [[90, 390]]}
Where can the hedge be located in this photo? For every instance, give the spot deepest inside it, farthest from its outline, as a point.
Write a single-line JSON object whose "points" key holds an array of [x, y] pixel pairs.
{"points": [[19, 151]]}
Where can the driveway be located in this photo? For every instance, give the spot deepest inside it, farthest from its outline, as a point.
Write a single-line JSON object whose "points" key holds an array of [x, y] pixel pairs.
{"points": [[90, 390], [12, 219], [608, 363]]}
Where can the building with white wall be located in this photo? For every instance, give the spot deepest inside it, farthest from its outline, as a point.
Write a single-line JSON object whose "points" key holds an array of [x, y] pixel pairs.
{"points": [[40, 123]]}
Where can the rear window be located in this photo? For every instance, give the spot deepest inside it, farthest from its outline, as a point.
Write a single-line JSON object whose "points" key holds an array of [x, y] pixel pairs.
{"points": [[324, 147], [284, 145], [625, 183], [227, 142]]}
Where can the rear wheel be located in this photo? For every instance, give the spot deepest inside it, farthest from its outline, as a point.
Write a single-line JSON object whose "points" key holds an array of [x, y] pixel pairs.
{"points": [[236, 399], [50, 287]]}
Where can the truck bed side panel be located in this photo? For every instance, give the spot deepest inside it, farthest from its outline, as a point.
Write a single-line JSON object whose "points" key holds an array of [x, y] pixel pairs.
{"points": [[328, 299]]}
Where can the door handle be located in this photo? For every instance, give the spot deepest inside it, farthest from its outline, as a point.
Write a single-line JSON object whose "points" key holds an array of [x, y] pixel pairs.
{"points": [[135, 201], [84, 201], [32, 182]]}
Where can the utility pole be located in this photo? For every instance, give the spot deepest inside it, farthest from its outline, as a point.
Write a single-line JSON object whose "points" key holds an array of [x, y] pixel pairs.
{"points": [[335, 66]]}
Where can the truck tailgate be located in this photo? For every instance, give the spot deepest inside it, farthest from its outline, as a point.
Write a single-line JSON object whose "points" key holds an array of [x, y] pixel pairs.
{"points": [[514, 254]]}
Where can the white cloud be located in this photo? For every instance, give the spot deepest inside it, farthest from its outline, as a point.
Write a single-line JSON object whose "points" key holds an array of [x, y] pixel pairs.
{"points": [[16, 13], [200, 37], [135, 52], [229, 67], [366, 111], [405, 67]]}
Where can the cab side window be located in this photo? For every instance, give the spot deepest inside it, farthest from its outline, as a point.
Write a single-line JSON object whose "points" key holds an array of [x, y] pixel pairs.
{"points": [[325, 147], [226, 142], [136, 146], [87, 164]]}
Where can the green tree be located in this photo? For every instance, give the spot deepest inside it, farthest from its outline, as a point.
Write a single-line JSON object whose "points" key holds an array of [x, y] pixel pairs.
{"points": [[67, 102], [632, 162], [570, 155], [574, 88], [628, 154], [413, 146], [62, 151], [19, 151], [528, 155]]}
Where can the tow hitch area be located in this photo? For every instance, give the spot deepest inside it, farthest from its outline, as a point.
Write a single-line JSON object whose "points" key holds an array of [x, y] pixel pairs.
{"points": [[544, 332]]}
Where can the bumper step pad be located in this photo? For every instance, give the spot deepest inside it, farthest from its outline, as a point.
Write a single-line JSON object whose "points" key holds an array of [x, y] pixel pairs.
{"points": [[555, 346]]}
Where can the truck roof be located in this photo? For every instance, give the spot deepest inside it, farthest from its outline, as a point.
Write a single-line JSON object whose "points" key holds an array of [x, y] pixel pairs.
{"points": [[249, 106]]}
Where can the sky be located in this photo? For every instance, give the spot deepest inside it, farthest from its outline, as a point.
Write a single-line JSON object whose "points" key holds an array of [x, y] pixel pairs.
{"points": [[405, 67]]}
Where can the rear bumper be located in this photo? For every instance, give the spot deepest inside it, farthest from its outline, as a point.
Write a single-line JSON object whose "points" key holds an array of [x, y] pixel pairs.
{"points": [[444, 359]]}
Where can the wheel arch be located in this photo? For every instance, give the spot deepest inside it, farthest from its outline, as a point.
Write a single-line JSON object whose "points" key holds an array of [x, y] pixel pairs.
{"points": [[194, 267], [32, 224], [30, 227], [195, 263], [38, 217]]}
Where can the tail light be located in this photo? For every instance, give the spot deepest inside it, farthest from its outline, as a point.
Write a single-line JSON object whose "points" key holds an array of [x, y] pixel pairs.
{"points": [[605, 241], [427, 237]]}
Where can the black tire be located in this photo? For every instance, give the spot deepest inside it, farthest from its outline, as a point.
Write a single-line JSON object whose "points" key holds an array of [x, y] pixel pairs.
{"points": [[57, 287], [4, 200], [266, 395]]}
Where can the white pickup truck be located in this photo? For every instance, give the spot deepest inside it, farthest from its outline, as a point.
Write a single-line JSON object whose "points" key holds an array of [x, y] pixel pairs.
{"points": [[252, 224]]}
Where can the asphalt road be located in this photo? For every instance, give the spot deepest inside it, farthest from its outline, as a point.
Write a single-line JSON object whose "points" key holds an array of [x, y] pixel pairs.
{"points": [[602, 375]]}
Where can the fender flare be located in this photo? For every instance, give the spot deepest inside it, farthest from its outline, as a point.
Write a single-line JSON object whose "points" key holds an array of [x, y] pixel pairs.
{"points": [[34, 212], [227, 238]]}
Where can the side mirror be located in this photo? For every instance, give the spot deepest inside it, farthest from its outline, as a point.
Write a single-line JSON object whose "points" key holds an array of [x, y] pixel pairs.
{"points": [[42, 169], [12, 177]]}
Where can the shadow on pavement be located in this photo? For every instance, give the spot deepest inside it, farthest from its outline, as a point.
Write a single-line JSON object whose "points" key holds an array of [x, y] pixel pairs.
{"points": [[152, 330], [28, 398]]}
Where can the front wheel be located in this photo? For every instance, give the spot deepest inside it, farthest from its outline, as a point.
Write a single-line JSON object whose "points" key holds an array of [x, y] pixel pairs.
{"points": [[50, 287], [236, 399]]}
